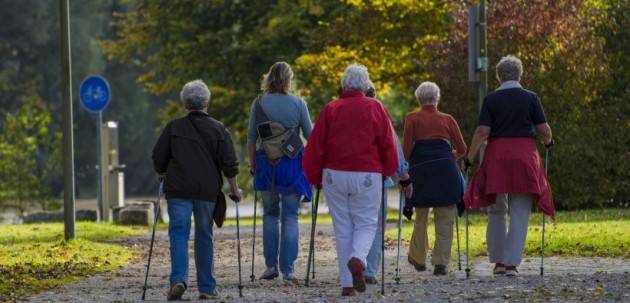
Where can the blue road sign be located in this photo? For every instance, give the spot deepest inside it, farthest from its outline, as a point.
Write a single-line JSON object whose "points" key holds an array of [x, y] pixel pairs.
{"points": [[94, 93]]}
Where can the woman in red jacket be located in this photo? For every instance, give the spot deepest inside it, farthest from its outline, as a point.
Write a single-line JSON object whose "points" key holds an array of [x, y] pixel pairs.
{"points": [[350, 151]]}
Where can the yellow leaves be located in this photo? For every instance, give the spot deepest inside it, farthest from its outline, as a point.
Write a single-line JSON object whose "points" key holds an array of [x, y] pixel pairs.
{"points": [[29, 267]]}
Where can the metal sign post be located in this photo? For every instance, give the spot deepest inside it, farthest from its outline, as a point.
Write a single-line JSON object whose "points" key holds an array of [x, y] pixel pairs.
{"points": [[99, 167], [95, 96], [478, 53], [482, 65]]}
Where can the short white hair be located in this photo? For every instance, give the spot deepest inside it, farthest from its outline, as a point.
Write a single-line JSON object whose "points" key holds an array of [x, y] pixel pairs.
{"points": [[509, 68], [427, 93], [355, 77], [195, 95]]}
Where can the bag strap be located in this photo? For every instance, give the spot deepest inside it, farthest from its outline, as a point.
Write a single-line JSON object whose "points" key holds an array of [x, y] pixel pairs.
{"points": [[205, 149], [261, 116]]}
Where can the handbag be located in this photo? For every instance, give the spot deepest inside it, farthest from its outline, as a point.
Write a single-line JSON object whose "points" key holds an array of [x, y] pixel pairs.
{"points": [[277, 141]]}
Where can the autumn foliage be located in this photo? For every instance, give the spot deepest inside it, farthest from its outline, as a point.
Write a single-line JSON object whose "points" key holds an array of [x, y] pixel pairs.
{"points": [[572, 52]]}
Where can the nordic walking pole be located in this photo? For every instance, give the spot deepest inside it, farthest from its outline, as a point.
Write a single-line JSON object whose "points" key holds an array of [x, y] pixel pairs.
{"points": [[459, 257], [155, 220], [238, 244], [313, 265], [467, 246], [400, 208], [542, 246], [467, 233], [252, 277], [311, 247], [383, 219]]}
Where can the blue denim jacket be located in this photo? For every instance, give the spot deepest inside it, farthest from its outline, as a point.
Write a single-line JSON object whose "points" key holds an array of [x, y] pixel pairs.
{"points": [[403, 166]]}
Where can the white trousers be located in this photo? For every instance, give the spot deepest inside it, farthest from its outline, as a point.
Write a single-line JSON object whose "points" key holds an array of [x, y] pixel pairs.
{"points": [[353, 199], [506, 245]]}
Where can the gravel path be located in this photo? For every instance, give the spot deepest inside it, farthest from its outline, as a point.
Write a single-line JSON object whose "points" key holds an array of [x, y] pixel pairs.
{"points": [[566, 279]]}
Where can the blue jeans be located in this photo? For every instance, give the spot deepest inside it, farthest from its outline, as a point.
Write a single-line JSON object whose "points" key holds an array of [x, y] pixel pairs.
{"points": [[179, 212], [277, 237], [374, 256]]}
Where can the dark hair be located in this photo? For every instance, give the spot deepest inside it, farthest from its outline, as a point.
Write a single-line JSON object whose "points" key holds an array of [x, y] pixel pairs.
{"points": [[371, 92], [278, 79]]}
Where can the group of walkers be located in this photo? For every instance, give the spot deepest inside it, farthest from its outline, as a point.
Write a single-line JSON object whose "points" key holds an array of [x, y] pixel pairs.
{"points": [[351, 154]]}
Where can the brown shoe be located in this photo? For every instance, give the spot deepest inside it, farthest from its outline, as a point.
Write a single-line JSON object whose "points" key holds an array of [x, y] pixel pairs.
{"points": [[348, 292], [416, 265], [356, 268]]}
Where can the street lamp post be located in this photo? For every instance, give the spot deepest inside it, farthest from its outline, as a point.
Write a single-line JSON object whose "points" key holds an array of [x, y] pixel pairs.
{"points": [[68, 140]]}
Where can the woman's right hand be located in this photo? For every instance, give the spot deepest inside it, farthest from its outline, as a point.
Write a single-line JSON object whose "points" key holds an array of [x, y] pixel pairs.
{"points": [[236, 194], [408, 191], [251, 154]]}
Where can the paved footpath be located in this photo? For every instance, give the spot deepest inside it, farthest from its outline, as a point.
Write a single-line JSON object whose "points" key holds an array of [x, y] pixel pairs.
{"points": [[566, 279]]}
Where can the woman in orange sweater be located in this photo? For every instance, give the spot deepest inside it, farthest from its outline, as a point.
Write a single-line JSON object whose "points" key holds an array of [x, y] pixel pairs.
{"points": [[432, 143]]}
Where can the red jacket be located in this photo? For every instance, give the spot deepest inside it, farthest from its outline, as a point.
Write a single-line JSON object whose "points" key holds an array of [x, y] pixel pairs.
{"points": [[510, 165], [352, 133]]}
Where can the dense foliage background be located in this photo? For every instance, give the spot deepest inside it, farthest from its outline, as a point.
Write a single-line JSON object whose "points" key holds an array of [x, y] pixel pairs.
{"points": [[574, 52], [30, 102]]}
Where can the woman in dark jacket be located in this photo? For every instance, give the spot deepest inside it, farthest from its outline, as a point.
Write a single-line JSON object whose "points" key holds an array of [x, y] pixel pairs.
{"points": [[193, 153], [511, 175], [428, 141]]}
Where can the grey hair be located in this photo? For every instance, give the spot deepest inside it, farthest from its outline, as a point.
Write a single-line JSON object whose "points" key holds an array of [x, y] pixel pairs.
{"points": [[195, 95], [427, 93], [509, 68], [355, 77]]}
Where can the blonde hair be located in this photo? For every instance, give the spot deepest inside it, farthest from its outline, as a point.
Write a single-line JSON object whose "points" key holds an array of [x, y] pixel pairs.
{"points": [[278, 79]]}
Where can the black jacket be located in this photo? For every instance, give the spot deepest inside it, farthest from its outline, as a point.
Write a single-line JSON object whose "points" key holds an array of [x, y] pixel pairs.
{"points": [[195, 152]]}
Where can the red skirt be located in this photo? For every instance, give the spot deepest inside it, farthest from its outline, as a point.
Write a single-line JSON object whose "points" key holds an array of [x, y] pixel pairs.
{"points": [[510, 165]]}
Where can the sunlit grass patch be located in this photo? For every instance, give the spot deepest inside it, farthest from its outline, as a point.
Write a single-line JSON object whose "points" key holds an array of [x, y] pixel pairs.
{"points": [[585, 233], [33, 257], [20, 233]]}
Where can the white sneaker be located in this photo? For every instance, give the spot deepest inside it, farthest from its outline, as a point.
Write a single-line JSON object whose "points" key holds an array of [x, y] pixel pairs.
{"points": [[511, 271], [499, 269], [270, 274]]}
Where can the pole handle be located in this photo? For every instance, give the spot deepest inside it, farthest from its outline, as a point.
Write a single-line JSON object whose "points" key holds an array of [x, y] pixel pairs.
{"points": [[234, 198]]}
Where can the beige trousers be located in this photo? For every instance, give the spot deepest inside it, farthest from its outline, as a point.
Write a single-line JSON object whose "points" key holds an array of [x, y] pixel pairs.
{"points": [[419, 246]]}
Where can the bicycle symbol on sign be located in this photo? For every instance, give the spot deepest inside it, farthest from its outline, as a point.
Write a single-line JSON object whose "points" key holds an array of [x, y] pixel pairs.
{"points": [[95, 94]]}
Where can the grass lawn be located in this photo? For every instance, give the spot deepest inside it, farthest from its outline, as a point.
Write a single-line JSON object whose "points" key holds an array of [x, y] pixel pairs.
{"points": [[586, 233], [34, 257]]}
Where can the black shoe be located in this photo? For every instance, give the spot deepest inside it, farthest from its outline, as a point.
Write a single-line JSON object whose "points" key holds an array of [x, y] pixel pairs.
{"points": [[416, 265], [209, 295], [176, 292], [439, 270], [371, 280]]}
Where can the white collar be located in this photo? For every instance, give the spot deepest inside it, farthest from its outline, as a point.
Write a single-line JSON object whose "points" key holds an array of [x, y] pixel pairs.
{"points": [[509, 84]]}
